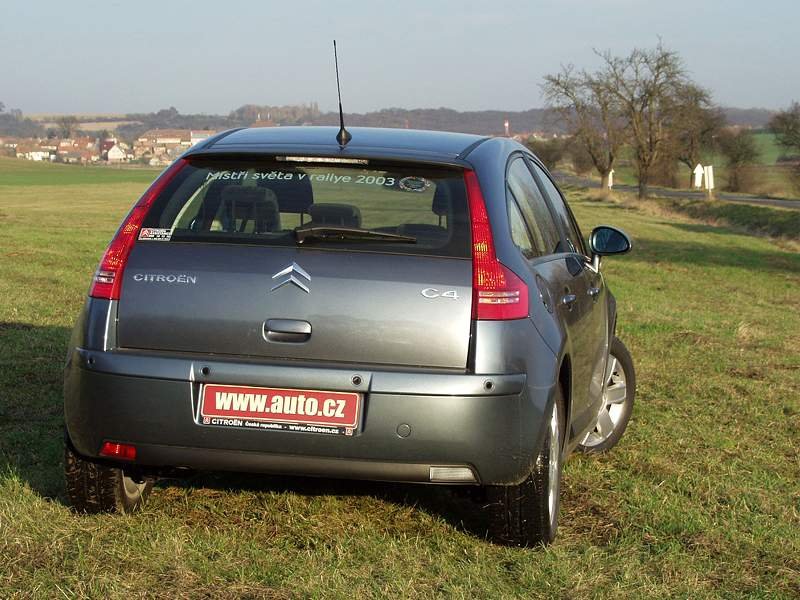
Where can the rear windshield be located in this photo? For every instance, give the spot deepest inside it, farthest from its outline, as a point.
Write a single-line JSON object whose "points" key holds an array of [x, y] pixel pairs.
{"points": [[267, 201]]}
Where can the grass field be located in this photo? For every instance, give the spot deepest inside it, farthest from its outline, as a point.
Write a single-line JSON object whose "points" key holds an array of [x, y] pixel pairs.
{"points": [[768, 148], [700, 500], [764, 220], [23, 173]]}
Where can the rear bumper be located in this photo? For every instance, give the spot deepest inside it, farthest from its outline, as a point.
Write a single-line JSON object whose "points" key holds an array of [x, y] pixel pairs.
{"points": [[489, 423]]}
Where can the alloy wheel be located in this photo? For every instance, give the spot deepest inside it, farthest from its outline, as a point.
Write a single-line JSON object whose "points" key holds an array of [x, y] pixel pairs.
{"points": [[615, 394]]}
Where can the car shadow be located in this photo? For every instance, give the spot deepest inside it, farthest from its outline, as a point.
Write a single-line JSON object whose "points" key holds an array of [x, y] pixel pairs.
{"points": [[32, 439], [460, 507]]}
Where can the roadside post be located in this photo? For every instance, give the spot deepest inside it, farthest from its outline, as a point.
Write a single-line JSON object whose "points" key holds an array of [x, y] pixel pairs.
{"points": [[610, 179], [709, 177]]}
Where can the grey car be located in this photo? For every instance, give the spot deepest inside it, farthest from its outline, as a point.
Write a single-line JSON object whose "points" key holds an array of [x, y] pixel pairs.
{"points": [[413, 306]]}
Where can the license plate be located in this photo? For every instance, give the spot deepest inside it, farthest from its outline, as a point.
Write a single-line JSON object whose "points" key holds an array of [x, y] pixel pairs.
{"points": [[302, 411]]}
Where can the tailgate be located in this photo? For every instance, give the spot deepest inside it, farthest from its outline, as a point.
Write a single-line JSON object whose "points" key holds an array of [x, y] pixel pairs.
{"points": [[272, 302]]}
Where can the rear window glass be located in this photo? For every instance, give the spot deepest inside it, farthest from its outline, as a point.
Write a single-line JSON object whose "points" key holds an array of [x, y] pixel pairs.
{"points": [[267, 201]]}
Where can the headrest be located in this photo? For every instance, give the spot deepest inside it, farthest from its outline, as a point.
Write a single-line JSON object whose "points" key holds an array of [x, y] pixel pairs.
{"points": [[441, 200], [346, 215], [294, 195], [252, 204]]}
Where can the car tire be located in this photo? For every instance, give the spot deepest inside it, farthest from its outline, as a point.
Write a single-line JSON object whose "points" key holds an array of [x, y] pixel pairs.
{"points": [[527, 514], [618, 395], [94, 487]]}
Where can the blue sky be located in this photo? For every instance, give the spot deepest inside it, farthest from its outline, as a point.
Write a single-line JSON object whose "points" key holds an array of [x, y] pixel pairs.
{"points": [[205, 56]]}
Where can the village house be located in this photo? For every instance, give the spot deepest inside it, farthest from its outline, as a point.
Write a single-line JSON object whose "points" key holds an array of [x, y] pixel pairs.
{"points": [[82, 150], [263, 122], [161, 146], [106, 145], [115, 154], [8, 146], [31, 150], [199, 136]]}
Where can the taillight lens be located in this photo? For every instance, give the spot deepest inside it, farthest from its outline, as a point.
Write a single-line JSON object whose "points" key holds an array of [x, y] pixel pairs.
{"points": [[117, 450], [107, 281], [498, 293]]}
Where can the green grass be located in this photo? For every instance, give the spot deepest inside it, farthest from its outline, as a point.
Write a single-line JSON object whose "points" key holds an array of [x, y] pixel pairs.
{"points": [[17, 172], [763, 220], [766, 145], [768, 148], [699, 500]]}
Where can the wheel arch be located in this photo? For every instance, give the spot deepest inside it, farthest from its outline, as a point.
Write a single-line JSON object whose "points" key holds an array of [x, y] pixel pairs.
{"points": [[565, 382]]}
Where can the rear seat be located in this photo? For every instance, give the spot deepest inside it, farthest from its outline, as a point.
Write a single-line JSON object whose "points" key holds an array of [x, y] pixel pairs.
{"points": [[250, 210], [345, 215], [440, 207]]}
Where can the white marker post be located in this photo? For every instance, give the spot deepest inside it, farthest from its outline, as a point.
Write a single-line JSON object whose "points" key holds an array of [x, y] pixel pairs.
{"points": [[709, 175], [698, 176], [611, 179]]}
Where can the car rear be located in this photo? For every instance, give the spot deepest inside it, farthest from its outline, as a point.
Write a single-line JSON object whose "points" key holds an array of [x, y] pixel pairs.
{"points": [[310, 315]]}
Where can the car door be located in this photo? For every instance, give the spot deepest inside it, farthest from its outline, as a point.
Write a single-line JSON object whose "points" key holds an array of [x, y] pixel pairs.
{"points": [[591, 331], [558, 274]]}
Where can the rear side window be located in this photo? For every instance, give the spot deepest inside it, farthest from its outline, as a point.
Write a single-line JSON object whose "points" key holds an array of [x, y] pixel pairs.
{"points": [[519, 231], [523, 187], [562, 211], [264, 202]]}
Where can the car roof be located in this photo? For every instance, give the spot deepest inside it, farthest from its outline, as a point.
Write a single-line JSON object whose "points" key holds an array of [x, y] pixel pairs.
{"points": [[370, 142]]}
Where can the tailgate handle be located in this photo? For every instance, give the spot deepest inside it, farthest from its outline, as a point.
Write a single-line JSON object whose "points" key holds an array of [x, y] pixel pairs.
{"points": [[286, 330]]}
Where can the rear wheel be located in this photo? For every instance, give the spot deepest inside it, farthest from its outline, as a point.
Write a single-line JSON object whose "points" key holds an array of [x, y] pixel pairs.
{"points": [[95, 487], [618, 393], [527, 514]]}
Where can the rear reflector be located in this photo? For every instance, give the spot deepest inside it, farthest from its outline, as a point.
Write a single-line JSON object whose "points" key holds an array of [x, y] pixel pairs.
{"points": [[452, 475], [497, 293], [121, 451], [107, 281]]}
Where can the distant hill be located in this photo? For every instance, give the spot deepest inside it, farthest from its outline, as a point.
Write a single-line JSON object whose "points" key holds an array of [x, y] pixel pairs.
{"points": [[757, 118], [13, 124], [484, 122]]}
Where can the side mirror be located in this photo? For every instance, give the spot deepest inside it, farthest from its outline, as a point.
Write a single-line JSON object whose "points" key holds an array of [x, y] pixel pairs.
{"points": [[606, 240]]}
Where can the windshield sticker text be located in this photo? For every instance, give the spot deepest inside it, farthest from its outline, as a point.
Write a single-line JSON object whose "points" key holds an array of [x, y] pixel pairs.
{"points": [[419, 184]]}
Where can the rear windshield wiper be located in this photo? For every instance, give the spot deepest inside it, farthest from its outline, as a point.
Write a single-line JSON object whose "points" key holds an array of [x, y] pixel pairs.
{"points": [[334, 233]]}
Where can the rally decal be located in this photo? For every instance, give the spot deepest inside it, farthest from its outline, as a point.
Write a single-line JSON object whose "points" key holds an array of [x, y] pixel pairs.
{"points": [[155, 235]]}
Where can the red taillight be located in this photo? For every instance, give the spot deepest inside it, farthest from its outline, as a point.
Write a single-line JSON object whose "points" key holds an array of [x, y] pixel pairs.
{"points": [[121, 451], [497, 293], [107, 281]]}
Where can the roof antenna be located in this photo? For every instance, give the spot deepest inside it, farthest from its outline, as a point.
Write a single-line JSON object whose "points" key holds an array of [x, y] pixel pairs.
{"points": [[343, 136]]}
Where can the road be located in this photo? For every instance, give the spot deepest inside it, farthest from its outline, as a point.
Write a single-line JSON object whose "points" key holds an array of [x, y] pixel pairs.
{"points": [[688, 194]]}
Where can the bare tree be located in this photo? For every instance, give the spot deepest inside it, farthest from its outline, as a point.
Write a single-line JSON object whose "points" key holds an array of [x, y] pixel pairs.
{"points": [[550, 152], [67, 125], [740, 151], [694, 124], [591, 113], [786, 127], [645, 83], [581, 160]]}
